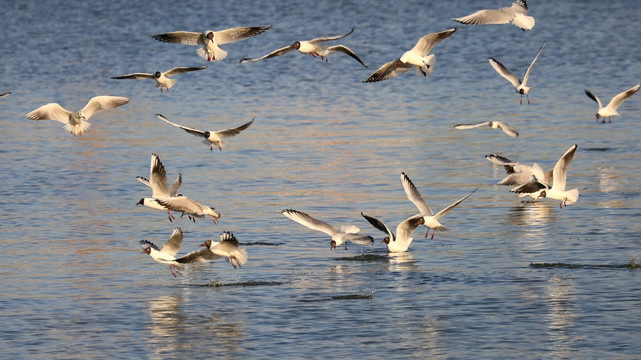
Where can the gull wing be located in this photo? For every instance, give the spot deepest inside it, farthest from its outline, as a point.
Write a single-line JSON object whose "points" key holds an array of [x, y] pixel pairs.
{"points": [[173, 189], [593, 97], [183, 69], [617, 100], [414, 196], [470, 126], [135, 76], [453, 205], [503, 71], [172, 245], [500, 160], [180, 37], [192, 131], [180, 203], [488, 16], [527, 72], [104, 102], [234, 131], [427, 42], [157, 178], [561, 169], [275, 53], [330, 38], [310, 222], [507, 129], [5, 94], [345, 50], [51, 111], [387, 71], [238, 33], [379, 225], [198, 256], [530, 187], [405, 228]]}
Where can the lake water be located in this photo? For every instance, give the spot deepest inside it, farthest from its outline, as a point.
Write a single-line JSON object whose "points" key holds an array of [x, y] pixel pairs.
{"points": [[74, 284]]}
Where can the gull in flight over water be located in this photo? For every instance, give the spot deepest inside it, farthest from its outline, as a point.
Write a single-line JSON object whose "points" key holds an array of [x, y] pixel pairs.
{"points": [[516, 14], [76, 122], [416, 57], [539, 189], [611, 109], [346, 233], [507, 129], [211, 137], [159, 188], [313, 48], [430, 220], [166, 254], [162, 78], [193, 209], [209, 40], [212, 250], [519, 174], [5, 94], [400, 241], [520, 86]]}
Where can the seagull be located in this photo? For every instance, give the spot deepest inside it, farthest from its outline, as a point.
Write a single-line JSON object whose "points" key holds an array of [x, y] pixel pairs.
{"points": [[211, 137], [611, 109], [189, 207], [346, 233], [557, 191], [403, 238], [417, 56], [5, 94], [209, 40], [167, 254], [493, 124], [519, 174], [311, 47], [227, 247], [162, 80], [516, 14], [159, 188], [520, 86], [429, 219], [76, 122]]}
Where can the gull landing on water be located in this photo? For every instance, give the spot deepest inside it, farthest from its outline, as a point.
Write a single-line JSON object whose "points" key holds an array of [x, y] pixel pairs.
{"points": [[611, 109], [209, 40], [400, 241], [313, 48], [429, 219], [346, 233], [159, 188], [539, 189], [416, 57], [161, 78], [507, 129], [520, 86], [76, 122], [167, 254], [516, 14], [227, 247], [211, 137]]}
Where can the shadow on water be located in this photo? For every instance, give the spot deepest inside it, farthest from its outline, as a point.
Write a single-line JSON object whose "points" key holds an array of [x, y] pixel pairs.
{"points": [[364, 257], [215, 283], [341, 297], [631, 265], [597, 149]]}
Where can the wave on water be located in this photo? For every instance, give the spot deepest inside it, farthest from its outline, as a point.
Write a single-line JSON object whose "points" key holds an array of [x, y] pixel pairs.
{"points": [[630, 265]]}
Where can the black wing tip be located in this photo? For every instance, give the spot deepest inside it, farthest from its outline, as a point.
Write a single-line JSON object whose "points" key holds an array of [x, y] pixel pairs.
{"points": [[145, 244]]}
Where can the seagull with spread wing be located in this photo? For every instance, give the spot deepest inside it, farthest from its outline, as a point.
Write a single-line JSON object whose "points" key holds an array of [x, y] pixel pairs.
{"points": [[515, 14], [166, 254], [211, 137], [507, 129], [162, 78], [611, 109], [520, 86]]}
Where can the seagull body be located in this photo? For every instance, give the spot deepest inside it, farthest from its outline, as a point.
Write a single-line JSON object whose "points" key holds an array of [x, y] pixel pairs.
{"points": [[313, 48], [209, 40], [516, 14], [559, 176], [611, 109], [520, 86], [211, 137], [507, 129], [400, 241], [416, 57], [227, 247], [167, 254], [162, 78], [430, 220], [159, 188], [346, 233], [519, 174], [76, 122], [193, 209]]}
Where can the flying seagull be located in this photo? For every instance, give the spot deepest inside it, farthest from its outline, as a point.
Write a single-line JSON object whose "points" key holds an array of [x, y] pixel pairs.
{"points": [[516, 14], [162, 78], [520, 86], [611, 109], [211, 137], [507, 129]]}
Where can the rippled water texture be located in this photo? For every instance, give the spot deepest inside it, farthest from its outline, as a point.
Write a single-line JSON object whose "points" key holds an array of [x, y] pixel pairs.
{"points": [[510, 279]]}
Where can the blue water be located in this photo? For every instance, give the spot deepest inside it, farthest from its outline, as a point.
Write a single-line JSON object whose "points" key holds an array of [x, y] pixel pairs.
{"points": [[74, 284]]}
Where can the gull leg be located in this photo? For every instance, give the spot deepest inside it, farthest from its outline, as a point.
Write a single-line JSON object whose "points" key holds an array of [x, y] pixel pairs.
{"points": [[433, 232], [172, 270], [528, 98], [427, 232], [521, 101], [231, 261]]}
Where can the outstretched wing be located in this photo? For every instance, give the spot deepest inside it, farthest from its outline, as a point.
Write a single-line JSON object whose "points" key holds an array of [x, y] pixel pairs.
{"points": [[192, 131], [414, 196], [453, 205], [617, 100], [238, 33], [470, 126], [345, 50], [180, 37], [379, 225], [104, 102], [135, 76], [51, 111], [507, 129], [198, 256], [172, 245], [593, 97], [527, 72], [560, 171], [183, 69], [330, 38], [388, 70], [503, 71], [275, 53], [234, 131], [427, 42], [310, 222]]}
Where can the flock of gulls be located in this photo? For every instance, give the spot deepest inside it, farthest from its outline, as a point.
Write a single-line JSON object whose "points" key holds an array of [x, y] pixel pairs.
{"points": [[524, 180]]}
